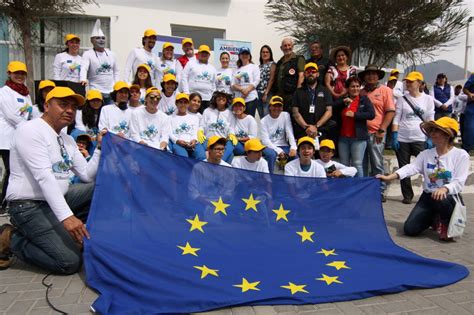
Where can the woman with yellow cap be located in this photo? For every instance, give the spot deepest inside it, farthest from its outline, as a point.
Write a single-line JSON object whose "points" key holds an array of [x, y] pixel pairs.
{"points": [[67, 64], [44, 88], [143, 79], [16, 108], [167, 63], [87, 118], [444, 169]]}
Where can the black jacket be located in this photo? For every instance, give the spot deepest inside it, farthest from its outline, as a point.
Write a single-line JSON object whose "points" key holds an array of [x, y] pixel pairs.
{"points": [[365, 112]]}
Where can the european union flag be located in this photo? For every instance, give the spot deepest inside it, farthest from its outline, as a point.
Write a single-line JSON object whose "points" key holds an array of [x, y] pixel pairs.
{"points": [[174, 235]]}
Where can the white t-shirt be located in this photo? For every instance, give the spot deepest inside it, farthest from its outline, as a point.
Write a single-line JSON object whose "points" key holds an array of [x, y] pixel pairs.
{"points": [[277, 132], [449, 170], [15, 109], [215, 122], [258, 166], [224, 80], [81, 126], [199, 77], [151, 128], [39, 170], [293, 168], [67, 67], [180, 70], [245, 76], [460, 103], [100, 69], [408, 122], [246, 127], [168, 104], [347, 171], [198, 115], [165, 67], [135, 58], [222, 163], [115, 119], [184, 127]]}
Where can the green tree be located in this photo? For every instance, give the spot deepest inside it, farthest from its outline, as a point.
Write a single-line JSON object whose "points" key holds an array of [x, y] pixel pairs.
{"points": [[25, 16], [382, 29]]}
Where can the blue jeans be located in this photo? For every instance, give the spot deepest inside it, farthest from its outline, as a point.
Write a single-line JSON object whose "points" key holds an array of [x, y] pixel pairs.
{"points": [[351, 153], [41, 240], [228, 152], [268, 154], [374, 157], [198, 153], [262, 107]]}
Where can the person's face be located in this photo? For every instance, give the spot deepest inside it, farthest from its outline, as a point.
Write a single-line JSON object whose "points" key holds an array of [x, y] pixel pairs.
{"points": [[265, 54], [422, 86], [142, 73], [135, 94], [275, 110], [73, 46], [170, 87], [325, 154], [354, 89], [81, 144], [311, 75], [150, 42], [306, 151], [95, 103], [238, 109], [168, 53], [441, 81], [457, 91], [217, 151], [224, 60], [204, 56], [45, 91], [194, 104], [98, 42], [182, 105], [188, 49], [151, 102], [316, 50], [18, 77], [61, 111], [254, 156], [122, 95], [245, 58], [341, 58], [371, 77], [438, 137], [286, 47], [221, 101], [413, 86]]}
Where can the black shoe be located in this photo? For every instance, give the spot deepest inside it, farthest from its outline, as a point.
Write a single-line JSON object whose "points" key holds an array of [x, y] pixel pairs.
{"points": [[406, 201], [6, 232], [384, 199]]}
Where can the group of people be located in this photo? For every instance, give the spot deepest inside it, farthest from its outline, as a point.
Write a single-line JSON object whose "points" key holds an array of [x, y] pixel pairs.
{"points": [[311, 112]]}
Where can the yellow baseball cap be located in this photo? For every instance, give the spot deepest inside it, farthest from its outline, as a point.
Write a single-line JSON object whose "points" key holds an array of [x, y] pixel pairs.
{"points": [[446, 124], [253, 144], [149, 32], [394, 71], [414, 76], [94, 95], [214, 139], [152, 89], [63, 92], [308, 140], [181, 96], [276, 100], [204, 48], [328, 144], [121, 85], [46, 83], [15, 66], [135, 86], [144, 65], [311, 65], [392, 78], [187, 41], [167, 44], [169, 77], [238, 100], [69, 37]]}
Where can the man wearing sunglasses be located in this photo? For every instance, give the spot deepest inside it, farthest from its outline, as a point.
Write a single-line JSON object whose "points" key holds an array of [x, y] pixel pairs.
{"points": [[48, 213], [312, 104]]}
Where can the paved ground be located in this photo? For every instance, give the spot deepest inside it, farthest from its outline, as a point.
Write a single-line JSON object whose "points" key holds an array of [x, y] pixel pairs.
{"points": [[21, 291]]}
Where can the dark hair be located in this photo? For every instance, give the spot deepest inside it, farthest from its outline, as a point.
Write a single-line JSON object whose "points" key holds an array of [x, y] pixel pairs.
{"points": [[89, 115], [224, 53], [459, 86], [239, 62], [271, 53], [316, 42], [352, 79], [193, 95], [213, 103], [113, 95], [148, 82]]}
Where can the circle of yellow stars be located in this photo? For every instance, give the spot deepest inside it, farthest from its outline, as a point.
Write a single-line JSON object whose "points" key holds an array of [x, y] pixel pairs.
{"points": [[196, 224]]}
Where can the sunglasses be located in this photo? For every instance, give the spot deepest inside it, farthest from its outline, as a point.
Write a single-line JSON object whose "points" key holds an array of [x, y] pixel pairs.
{"points": [[154, 97], [310, 71]]}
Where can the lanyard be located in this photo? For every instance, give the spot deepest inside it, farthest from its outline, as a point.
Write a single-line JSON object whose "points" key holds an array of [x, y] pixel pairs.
{"points": [[313, 95]]}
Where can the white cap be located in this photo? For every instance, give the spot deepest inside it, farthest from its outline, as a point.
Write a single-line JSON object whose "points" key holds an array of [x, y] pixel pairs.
{"points": [[97, 31]]}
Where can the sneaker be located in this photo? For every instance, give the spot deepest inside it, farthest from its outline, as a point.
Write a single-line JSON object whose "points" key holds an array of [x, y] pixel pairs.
{"points": [[443, 233], [6, 231]]}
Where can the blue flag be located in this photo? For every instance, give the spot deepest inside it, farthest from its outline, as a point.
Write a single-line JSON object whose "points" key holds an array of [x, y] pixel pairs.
{"points": [[175, 235]]}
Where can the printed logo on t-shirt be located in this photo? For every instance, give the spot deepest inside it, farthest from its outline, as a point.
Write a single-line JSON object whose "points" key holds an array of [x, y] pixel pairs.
{"points": [[241, 134], [223, 79], [62, 168], [439, 178], [104, 68], [75, 66], [166, 69], [204, 76], [242, 77], [20, 100], [25, 111], [219, 126], [121, 127], [183, 129], [170, 110], [149, 133], [278, 134]]}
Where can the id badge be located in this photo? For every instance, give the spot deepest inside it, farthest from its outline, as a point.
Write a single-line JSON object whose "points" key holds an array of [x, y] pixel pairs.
{"points": [[312, 108]]}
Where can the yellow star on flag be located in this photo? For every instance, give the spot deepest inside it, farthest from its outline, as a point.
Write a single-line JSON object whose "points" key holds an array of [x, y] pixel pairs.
{"points": [[281, 213], [196, 224], [327, 252], [305, 235], [294, 288], [245, 285], [338, 265], [251, 203], [207, 271], [187, 249], [220, 206], [329, 279]]}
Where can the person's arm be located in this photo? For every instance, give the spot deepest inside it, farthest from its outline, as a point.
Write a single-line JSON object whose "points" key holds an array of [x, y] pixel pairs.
{"points": [[253, 128], [128, 71], [437, 103], [452, 96], [165, 133], [87, 170], [10, 109], [326, 116], [116, 69], [429, 114], [290, 135], [300, 66], [57, 67], [134, 128], [185, 79], [103, 121], [368, 113], [398, 114], [265, 137], [460, 173], [271, 79], [341, 169], [85, 64]]}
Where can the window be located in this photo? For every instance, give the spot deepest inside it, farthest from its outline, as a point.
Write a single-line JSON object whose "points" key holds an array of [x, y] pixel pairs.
{"points": [[200, 35]]}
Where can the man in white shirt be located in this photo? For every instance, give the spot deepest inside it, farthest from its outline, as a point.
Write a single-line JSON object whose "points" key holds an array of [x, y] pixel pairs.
{"points": [[253, 157], [189, 57], [333, 168], [142, 55], [47, 212]]}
